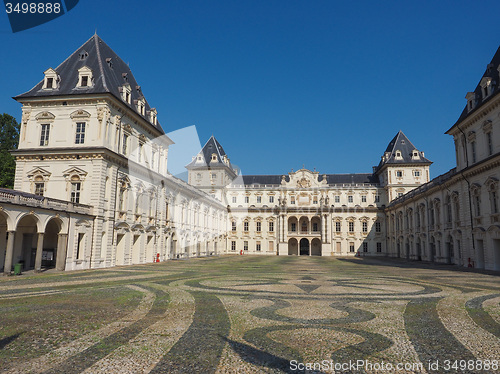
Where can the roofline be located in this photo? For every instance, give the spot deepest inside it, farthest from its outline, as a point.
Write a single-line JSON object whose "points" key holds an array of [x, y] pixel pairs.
{"points": [[473, 112]]}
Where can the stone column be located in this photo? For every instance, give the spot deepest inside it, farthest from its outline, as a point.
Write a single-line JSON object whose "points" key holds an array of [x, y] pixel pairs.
{"points": [[9, 253], [39, 249], [62, 246], [323, 230]]}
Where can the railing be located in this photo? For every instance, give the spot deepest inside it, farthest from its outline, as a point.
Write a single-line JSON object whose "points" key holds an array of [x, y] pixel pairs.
{"points": [[27, 199]]}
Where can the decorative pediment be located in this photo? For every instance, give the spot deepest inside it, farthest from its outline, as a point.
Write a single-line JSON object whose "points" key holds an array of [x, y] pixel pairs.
{"points": [[73, 172], [32, 174], [79, 115], [303, 179], [45, 116]]}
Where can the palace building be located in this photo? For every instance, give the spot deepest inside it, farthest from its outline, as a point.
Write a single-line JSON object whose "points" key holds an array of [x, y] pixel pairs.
{"points": [[92, 187]]}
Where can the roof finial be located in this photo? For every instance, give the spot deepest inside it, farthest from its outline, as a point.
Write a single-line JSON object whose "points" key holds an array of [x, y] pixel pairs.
{"points": [[95, 32]]}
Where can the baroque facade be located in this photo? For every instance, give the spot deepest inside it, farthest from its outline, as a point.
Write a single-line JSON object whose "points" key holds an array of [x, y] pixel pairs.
{"points": [[92, 188], [305, 213], [90, 140], [455, 218]]}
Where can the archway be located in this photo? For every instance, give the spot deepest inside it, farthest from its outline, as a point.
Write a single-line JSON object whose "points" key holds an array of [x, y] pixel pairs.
{"points": [[316, 247], [50, 243], [304, 225], [293, 224], [304, 247], [26, 242], [3, 239], [293, 247], [316, 224]]}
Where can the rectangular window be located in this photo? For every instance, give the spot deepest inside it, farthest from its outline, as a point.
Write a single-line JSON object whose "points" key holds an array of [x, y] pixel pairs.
{"points": [[44, 135], [85, 81], [399, 174], [124, 145], [233, 226], [377, 198], [292, 200], [50, 82], [365, 226], [473, 151], [213, 176], [80, 133], [75, 192], [257, 247], [247, 199], [315, 200], [363, 198], [245, 245], [365, 247], [271, 226], [350, 199], [416, 173], [478, 205], [39, 188], [337, 226], [351, 247], [271, 199], [293, 227], [378, 227], [233, 245], [79, 245], [489, 139], [245, 226], [259, 199], [259, 226], [234, 199], [315, 226], [337, 199], [351, 226], [494, 202], [379, 247]]}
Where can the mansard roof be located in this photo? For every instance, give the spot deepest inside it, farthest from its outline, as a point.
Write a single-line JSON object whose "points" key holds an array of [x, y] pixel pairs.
{"points": [[402, 144], [212, 146], [331, 179], [492, 73], [109, 74]]}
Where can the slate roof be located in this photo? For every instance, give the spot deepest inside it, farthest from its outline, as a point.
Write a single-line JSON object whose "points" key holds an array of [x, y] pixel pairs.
{"points": [[211, 146], [491, 72], [401, 143], [109, 72], [330, 178]]}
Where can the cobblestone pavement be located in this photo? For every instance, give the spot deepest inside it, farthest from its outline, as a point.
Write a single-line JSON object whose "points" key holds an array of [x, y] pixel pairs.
{"points": [[252, 314]]}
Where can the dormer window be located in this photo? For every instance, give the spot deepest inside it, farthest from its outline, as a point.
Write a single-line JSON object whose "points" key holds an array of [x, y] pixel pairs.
{"points": [[415, 155], [214, 157], [153, 114], [398, 154], [471, 100], [141, 106], [486, 86], [84, 77], [51, 79], [126, 93]]}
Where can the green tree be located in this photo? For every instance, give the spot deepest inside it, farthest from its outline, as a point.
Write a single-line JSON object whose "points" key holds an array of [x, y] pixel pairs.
{"points": [[9, 140]]}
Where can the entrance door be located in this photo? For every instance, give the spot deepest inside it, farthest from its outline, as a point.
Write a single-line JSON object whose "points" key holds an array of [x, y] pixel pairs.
{"points": [[304, 247]]}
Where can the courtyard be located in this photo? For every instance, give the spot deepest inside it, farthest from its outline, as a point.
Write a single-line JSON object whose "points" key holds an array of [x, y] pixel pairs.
{"points": [[252, 314]]}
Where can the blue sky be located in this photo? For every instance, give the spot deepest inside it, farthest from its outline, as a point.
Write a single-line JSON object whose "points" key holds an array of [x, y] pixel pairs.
{"points": [[281, 84]]}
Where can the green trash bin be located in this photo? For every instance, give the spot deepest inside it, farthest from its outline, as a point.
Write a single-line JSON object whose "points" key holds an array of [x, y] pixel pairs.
{"points": [[17, 268]]}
